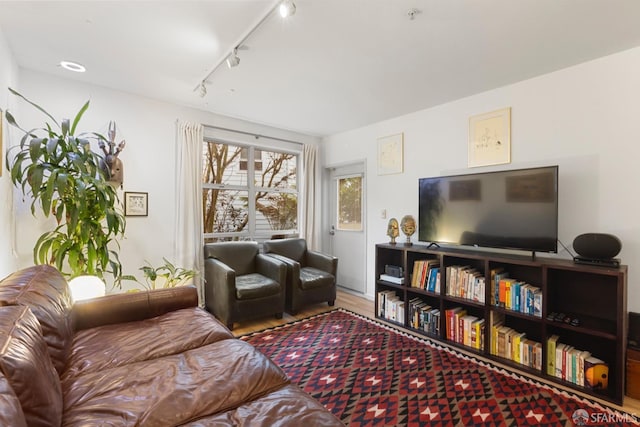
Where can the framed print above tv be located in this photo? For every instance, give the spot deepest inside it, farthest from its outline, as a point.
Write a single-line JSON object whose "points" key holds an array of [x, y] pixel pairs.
{"points": [[391, 154], [490, 138]]}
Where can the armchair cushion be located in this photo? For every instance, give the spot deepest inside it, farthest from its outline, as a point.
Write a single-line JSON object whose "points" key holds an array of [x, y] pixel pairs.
{"points": [[311, 278], [255, 285]]}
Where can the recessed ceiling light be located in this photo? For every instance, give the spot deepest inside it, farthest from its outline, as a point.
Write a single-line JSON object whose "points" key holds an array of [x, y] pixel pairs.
{"points": [[73, 66]]}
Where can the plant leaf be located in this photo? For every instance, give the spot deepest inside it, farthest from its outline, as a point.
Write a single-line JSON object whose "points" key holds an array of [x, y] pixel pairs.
{"points": [[35, 105], [78, 117]]}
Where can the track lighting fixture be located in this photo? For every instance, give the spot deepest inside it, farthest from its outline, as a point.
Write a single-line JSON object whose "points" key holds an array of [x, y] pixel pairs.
{"points": [[202, 90], [233, 59], [287, 8]]}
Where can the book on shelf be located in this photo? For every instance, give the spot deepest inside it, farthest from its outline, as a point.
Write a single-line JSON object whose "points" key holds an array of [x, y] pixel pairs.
{"points": [[392, 279], [422, 272], [499, 291], [452, 315], [559, 359], [551, 355]]}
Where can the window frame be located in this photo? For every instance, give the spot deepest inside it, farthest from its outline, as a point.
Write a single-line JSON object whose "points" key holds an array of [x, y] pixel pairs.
{"points": [[250, 232]]}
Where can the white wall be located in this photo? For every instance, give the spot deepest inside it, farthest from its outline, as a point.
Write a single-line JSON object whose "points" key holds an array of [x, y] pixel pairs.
{"points": [[586, 119], [8, 77], [148, 126]]}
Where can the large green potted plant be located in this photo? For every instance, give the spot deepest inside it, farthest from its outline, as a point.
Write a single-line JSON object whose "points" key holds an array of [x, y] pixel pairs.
{"points": [[61, 173]]}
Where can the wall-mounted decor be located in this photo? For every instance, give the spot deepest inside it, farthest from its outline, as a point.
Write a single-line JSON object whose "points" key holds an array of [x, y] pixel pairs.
{"points": [[490, 138], [390, 154], [136, 204], [1, 150], [111, 164]]}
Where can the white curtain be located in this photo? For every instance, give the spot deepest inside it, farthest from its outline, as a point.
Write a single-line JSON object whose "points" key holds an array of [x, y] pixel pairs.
{"points": [[189, 240], [310, 216]]}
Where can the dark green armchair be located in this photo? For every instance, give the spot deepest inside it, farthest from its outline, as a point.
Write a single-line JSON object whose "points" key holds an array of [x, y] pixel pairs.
{"points": [[241, 283], [311, 275]]}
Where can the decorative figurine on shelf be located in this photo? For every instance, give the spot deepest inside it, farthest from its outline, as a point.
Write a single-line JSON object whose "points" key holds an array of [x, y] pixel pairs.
{"points": [[408, 227], [392, 230]]}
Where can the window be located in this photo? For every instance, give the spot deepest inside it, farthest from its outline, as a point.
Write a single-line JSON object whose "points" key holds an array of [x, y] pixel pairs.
{"points": [[248, 193], [244, 159], [349, 203]]}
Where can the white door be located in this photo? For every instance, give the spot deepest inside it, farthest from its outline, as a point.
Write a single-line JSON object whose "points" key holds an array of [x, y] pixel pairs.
{"points": [[347, 225]]}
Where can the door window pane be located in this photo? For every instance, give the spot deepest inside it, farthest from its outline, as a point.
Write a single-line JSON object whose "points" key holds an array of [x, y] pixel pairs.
{"points": [[350, 203]]}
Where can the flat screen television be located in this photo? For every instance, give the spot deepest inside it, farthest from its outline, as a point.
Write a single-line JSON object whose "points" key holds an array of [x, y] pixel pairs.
{"points": [[513, 209]]}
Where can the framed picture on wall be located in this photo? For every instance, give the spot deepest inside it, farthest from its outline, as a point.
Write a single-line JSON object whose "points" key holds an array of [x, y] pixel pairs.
{"points": [[390, 154], [136, 203], [490, 138]]}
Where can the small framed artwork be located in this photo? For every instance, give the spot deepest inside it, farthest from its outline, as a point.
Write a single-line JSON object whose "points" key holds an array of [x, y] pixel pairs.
{"points": [[136, 203], [490, 138], [390, 154]]}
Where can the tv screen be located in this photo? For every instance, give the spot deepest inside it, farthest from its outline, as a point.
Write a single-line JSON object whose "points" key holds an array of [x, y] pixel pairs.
{"points": [[515, 209]]}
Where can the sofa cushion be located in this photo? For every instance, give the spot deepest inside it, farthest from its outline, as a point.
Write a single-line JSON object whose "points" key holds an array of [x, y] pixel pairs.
{"points": [[311, 278], [287, 407], [10, 410], [255, 285], [109, 346], [174, 389], [25, 363], [45, 291]]}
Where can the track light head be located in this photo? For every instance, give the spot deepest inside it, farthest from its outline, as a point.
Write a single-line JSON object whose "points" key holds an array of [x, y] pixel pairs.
{"points": [[287, 8], [233, 59], [202, 90]]}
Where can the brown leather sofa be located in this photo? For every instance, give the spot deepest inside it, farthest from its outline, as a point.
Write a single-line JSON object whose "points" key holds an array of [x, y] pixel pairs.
{"points": [[311, 275], [144, 359]]}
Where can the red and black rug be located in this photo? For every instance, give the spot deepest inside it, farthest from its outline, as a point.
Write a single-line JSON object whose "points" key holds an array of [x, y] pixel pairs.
{"points": [[370, 374]]}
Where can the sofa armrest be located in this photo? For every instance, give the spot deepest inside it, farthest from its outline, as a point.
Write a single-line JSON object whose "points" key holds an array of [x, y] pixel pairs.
{"points": [[132, 306], [322, 262]]}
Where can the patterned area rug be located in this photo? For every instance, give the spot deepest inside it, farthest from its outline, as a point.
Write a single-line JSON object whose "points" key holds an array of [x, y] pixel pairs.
{"points": [[370, 374]]}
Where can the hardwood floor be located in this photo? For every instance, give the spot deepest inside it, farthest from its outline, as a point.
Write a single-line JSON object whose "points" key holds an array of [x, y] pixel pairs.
{"points": [[364, 306]]}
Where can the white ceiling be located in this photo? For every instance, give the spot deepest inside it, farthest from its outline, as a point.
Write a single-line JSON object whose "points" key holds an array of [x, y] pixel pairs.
{"points": [[333, 66]]}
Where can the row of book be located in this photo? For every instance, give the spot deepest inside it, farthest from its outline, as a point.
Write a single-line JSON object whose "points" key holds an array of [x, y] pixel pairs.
{"points": [[424, 317], [390, 306], [465, 282], [510, 344], [464, 328], [514, 294], [576, 366], [426, 275]]}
